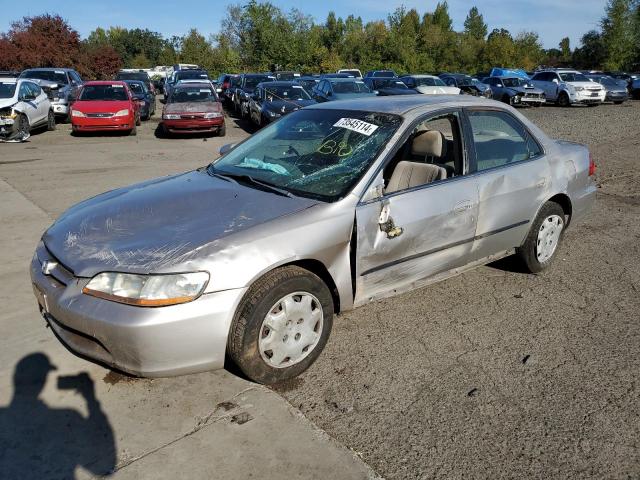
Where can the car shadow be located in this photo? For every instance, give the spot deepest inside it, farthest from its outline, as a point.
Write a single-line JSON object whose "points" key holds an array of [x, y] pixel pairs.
{"points": [[38, 441], [509, 264], [159, 133]]}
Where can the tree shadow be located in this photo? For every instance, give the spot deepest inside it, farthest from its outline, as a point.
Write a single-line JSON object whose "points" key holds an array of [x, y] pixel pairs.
{"points": [[37, 441]]}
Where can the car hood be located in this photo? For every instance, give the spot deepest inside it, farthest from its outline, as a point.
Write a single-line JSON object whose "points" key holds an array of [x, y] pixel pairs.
{"points": [[95, 106], [192, 107], [526, 90], [160, 225], [432, 90], [8, 102], [587, 85], [396, 91], [289, 106]]}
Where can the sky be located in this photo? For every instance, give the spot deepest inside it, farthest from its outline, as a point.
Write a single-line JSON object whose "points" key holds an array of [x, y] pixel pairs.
{"points": [[552, 19]]}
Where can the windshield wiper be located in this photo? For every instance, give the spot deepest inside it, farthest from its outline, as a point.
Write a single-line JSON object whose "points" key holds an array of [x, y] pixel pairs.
{"points": [[243, 177]]}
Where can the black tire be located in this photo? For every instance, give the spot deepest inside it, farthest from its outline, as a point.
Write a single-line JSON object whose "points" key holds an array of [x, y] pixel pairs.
{"points": [[563, 100], [617, 103], [247, 325], [222, 131], [138, 121], [506, 99], [528, 251], [134, 131], [51, 121], [23, 124]]}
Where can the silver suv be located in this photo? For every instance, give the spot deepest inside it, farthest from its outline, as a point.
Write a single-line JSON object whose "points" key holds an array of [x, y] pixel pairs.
{"points": [[69, 81], [568, 87]]}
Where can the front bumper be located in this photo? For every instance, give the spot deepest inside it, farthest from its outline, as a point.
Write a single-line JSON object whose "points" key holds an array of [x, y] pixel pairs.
{"points": [[7, 127], [200, 125], [87, 124], [149, 342], [616, 97], [587, 98]]}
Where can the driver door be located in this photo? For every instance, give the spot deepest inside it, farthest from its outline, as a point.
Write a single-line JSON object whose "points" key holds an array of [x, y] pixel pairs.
{"points": [[29, 107], [407, 238]]}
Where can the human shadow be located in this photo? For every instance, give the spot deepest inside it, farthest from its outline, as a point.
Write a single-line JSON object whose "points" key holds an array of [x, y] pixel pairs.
{"points": [[37, 441]]}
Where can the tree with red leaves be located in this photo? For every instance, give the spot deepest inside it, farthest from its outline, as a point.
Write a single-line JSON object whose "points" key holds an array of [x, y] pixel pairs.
{"points": [[49, 41]]}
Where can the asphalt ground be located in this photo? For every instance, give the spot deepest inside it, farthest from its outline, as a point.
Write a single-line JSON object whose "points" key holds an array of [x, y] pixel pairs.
{"points": [[491, 374]]}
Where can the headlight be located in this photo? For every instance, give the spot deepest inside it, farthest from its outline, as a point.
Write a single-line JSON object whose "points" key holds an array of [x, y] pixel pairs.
{"points": [[272, 114], [213, 115], [171, 116], [122, 113], [147, 290], [578, 89], [77, 113]]}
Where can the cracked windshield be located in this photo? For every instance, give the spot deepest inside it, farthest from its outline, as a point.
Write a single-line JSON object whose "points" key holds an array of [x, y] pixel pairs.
{"points": [[313, 153]]}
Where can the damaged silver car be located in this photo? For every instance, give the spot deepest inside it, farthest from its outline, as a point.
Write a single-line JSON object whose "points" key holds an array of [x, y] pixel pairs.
{"points": [[24, 106], [334, 206]]}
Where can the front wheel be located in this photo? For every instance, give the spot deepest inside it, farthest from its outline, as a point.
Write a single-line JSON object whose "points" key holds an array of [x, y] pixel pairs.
{"points": [[281, 325], [563, 100], [541, 245], [51, 121], [222, 131]]}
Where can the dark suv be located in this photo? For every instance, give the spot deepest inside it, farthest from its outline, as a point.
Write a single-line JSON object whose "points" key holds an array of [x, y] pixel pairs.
{"points": [[246, 85]]}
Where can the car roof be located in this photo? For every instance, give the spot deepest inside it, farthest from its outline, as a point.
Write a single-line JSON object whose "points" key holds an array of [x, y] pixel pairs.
{"points": [[343, 80], [281, 83], [419, 75], [400, 105], [194, 84], [49, 69], [105, 82]]}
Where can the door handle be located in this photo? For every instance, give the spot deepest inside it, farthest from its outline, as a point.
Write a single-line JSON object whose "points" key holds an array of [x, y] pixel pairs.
{"points": [[462, 207]]}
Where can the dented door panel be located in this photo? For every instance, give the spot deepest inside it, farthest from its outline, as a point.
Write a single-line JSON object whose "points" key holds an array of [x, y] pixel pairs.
{"points": [[412, 235]]}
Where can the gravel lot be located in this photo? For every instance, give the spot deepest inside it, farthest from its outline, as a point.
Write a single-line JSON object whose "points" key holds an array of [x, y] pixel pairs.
{"points": [[500, 374], [492, 374]]}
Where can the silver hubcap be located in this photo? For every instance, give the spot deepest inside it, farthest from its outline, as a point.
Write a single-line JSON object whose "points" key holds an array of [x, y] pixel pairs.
{"points": [[548, 237], [291, 330]]}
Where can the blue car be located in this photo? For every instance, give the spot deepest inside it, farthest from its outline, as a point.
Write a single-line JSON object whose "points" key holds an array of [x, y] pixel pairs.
{"points": [[143, 96], [340, 89]]}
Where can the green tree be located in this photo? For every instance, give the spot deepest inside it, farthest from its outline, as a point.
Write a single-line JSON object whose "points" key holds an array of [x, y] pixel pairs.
{"points": [[500, 51], [474, 25], [565, 49], [593, 52], [196, 49], [617, 34]]}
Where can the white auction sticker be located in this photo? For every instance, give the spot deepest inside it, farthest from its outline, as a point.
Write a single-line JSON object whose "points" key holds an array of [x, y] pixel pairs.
{"points": [[356, 125]]}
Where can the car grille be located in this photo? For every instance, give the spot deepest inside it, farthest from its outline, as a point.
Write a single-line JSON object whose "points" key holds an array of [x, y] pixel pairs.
{"points": [[99, 115], [532, 95], [191, 116]]}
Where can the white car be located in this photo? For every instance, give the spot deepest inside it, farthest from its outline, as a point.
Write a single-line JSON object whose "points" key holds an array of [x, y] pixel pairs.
{"points": [[429, 85], [23, 107], [568, 87]]}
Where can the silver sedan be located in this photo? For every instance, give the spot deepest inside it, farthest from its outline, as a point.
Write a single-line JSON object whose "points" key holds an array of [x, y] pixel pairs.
{"points": [[333, 206]]}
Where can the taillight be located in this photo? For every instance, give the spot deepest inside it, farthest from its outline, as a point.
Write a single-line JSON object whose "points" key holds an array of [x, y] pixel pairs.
{"points": [[592, 166]]}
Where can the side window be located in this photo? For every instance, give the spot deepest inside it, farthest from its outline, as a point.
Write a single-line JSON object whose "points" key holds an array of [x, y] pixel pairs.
{"points": [[24, 90], [35, 89], [433, 152], [499, 139], [451, 82], [75, 76]]}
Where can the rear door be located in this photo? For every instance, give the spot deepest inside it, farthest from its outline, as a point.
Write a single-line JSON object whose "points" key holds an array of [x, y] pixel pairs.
{"points": [[513, 176]]}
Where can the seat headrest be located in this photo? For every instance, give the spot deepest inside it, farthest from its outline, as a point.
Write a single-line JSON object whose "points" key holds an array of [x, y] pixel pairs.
{"points": [[430, 143]]}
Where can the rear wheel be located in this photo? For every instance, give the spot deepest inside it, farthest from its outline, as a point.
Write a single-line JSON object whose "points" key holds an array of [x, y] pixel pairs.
{"points": [[541, 245], [281, 325], [51, 121]]}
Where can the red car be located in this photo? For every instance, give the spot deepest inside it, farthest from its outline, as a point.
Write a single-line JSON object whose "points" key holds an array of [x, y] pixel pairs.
{"points": [[193, 108], [107, 105]]}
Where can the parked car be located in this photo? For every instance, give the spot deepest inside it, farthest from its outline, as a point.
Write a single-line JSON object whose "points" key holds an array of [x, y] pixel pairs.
{"points": [[466, 84], [225, 86], [616, 90], [146, 100], [285, 76], [273, 100], [340, 89], [140, 75], [388, 86], [429, 85], [318, 213], [335, 75], [184, 74], [380, 73], [568, 87], [24, 106], [507, 72], [69, 82], [635, 89], [193, 108], [9, 74], [354, 72], [515, 91], [307, 82], [105, 106], [246, 85]]}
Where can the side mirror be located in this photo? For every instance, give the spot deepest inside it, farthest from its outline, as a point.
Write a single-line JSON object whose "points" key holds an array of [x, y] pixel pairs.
{"points": [[555, 80], [226, 148], [499, 85]]}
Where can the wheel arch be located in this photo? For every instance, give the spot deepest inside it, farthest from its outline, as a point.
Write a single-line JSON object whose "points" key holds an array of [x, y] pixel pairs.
{"points": [[564, 201], [319, 269]]}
